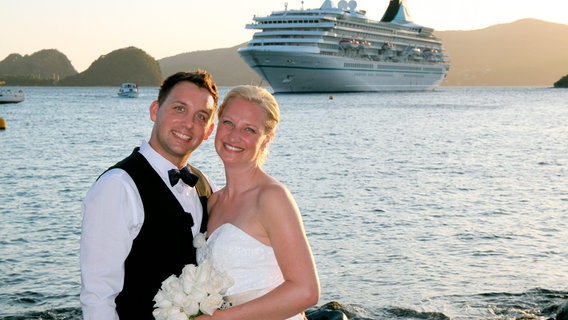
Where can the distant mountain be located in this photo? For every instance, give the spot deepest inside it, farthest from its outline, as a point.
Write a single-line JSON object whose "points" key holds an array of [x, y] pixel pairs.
{"points": [[526, 52], [123, 65], [45, 66], [225, 65]]}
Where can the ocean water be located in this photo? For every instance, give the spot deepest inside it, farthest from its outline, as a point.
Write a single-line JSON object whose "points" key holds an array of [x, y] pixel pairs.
{"points": [[434, 205]]}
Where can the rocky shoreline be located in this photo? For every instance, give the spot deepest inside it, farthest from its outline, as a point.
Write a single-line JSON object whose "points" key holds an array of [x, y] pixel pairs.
{"points": [[334, 310], [562, 83]]}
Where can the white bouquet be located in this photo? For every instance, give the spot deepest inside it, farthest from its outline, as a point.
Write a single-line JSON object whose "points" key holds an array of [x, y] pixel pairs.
{"points": [[198, 290]]}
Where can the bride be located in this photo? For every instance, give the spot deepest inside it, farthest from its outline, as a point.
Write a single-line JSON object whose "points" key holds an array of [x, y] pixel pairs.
{"points": [[255, 230]]}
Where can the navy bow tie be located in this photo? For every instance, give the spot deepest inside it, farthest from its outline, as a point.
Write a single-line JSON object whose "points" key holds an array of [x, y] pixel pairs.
{"points": [[189, 178]]}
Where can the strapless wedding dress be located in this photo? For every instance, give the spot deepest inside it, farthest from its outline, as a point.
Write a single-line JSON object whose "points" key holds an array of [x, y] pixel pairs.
{"points": [[250, 263]]}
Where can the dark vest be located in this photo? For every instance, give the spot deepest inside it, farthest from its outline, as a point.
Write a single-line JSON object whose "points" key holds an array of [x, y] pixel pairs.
{"points": [[163, 246]]}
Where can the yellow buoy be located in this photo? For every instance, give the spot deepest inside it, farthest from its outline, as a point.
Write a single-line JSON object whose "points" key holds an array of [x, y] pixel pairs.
{"points": [[2, 124], [330, 97]]}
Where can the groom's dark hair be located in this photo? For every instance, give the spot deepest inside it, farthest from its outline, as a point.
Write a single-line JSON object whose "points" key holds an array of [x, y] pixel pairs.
{"points": [[200, 78]]}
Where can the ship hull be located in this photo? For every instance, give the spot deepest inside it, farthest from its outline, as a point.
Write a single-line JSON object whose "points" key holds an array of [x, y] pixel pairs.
{"points": [[293, 72]]}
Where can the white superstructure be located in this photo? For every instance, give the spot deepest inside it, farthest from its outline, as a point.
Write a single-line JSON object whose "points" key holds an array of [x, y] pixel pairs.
{"points": [[336, 48], [11, 95], [128, 90]]}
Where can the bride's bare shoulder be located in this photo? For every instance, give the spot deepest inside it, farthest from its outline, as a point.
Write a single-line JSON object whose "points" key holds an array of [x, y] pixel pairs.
{"points": [[214, 198]]}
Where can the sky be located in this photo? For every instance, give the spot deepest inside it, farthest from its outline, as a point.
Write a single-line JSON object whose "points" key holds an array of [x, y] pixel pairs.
{"points": [[84, 30]]}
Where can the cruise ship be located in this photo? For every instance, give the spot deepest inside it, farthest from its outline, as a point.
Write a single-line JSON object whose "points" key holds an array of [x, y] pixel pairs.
{"points": [[337, 48]]}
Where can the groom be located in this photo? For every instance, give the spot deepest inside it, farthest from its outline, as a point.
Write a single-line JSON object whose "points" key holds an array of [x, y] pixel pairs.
{"points": [[140, 215]]}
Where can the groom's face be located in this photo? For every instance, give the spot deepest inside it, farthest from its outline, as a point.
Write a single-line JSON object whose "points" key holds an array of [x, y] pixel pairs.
{"points": [[182, 121]]}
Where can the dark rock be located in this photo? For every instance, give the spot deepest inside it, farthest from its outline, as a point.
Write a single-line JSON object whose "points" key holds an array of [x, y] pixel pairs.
{"points": [[413, 314], [330, 311], [562, 311], [327, 315], [562, 83]]}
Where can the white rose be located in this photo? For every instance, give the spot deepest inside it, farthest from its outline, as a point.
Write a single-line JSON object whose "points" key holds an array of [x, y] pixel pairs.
{"points": [[199, 240], [187, 278], [203, 273], [188, 272], [178, 298], [171, 285], [168, 282], [226, 282], [211, 303], [229, 282], [162, 300], [176, 314], [159, 314], [190, 306], [215, 284], [198, 293], [171, 313], [187, 282], [218, 282]]}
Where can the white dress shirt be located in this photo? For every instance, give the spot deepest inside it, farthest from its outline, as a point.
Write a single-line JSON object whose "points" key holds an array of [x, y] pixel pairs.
{"points": [[112, 217]]}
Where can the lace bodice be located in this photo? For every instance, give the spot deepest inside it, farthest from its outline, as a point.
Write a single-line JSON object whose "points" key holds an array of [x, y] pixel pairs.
{"points": [[250, 263]]}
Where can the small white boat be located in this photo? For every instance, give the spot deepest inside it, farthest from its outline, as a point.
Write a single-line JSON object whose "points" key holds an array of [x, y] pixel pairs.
{"points": [[128, 90], [12, 95]]}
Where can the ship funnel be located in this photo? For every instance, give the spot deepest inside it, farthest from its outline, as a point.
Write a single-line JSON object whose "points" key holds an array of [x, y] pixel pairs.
{"points": [[397, 13]]}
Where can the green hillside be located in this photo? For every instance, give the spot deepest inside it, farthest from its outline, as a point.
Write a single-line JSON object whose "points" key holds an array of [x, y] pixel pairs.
{"points": [[44, 67], [124, 65]]}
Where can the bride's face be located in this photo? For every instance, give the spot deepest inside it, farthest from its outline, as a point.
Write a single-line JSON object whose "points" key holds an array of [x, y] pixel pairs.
{"points": [[241, 136]]}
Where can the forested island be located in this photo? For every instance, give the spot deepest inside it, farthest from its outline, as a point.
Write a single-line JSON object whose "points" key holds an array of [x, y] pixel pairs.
{"points": [[52, 68], [562, 83]]}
